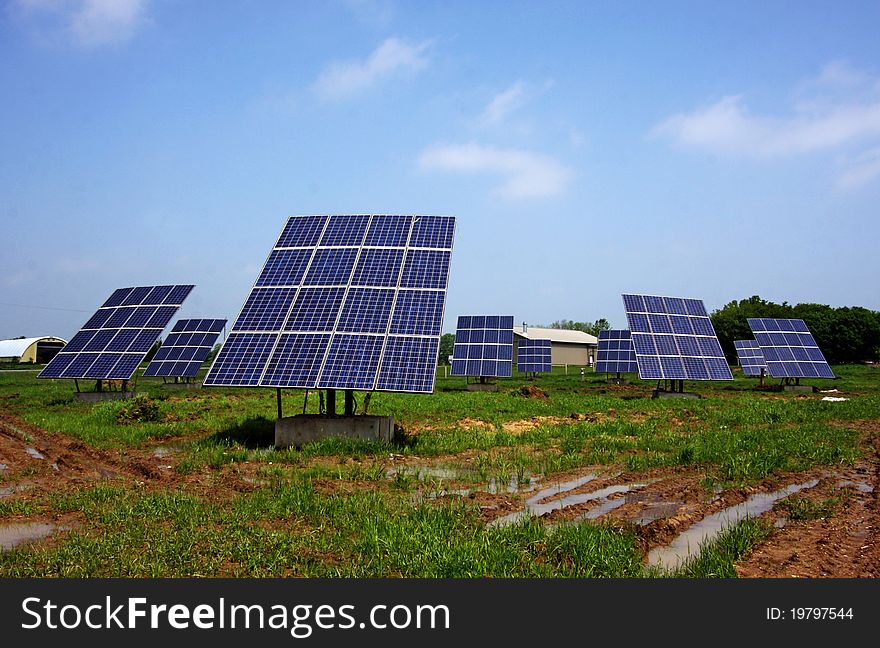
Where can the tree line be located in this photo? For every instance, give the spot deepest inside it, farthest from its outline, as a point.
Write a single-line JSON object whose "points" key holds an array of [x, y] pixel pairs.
{"points": [[845, 334]]}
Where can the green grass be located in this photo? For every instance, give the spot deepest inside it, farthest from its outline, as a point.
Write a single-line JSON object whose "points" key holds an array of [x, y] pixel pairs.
{"points": [[283, 524]]}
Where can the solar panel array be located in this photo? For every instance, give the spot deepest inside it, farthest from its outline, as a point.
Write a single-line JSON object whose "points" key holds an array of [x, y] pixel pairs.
{"points": [[344, 302], [483, 346], [616, 353], [115, 340], [533, 355], [750, 357], [674, 339], [184, 350], [789, 348]]}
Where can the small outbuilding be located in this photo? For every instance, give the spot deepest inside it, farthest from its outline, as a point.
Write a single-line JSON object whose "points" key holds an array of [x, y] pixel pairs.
{"points": [[567, 347], [34, 349]]}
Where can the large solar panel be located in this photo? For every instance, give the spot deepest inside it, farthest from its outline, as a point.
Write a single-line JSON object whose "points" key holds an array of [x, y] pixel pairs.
{"points": [[483, 346], [616, 353], [186, 348], [789, 348], [533, 355], [750, 357], [674, 339], [344, 302], [115, 340]]}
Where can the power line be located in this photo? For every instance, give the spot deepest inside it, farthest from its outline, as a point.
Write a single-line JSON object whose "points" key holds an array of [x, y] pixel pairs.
{"points": [[69, 310]]}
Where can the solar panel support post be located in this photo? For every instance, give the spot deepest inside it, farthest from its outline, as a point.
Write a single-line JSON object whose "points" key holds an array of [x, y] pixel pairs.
{"points": [[278, 399], [349, 402], [98, 386], [761, 379], [331, 402]]}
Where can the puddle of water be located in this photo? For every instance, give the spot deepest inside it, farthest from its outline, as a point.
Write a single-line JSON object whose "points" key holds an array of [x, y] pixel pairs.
{"points": [[36, 454], [166, 451], [536, 507], [688, 544], [862, 487], [513, 485], [655, 511], [448, 473], [12, 535]]}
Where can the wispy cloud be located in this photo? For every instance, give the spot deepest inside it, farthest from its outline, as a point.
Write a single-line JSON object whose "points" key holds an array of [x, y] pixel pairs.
{"points": [[837, 110], [728, 127], [394, 56], [526, 174], [87, 23], [861, 170], [504, 103]]}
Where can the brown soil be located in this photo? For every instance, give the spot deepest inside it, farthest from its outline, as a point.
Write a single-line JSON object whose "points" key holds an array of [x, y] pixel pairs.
{"points": [[844, 544]]}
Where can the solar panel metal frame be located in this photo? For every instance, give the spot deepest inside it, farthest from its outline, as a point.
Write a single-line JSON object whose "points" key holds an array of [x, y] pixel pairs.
{"points": [[344, 301], [750, 357], [789, 349], [115, 340], [186, 348], [615, 353], [674, 339], [483, 346], [533, 355]]}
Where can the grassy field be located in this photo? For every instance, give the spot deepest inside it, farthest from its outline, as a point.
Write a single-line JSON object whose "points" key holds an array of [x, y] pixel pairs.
{"points": [[235, 506]]}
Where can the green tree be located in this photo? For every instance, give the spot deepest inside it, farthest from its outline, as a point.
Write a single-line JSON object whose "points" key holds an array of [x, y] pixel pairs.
{"points": [[447, 344], [600, 324]]}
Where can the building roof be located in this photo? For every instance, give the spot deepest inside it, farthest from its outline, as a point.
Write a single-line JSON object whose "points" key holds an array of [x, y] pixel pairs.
{"points": [[556, 335], [16, 348]]}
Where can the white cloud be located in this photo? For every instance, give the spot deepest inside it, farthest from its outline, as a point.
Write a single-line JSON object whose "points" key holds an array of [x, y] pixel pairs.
{"points": [[860, 171], [838, 109], [728, 128], [504, 103], [526, 174], [394, 56], [88, 23]]}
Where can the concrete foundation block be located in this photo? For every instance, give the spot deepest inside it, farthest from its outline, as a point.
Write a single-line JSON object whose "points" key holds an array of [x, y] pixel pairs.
{"points": [[294, 431]]}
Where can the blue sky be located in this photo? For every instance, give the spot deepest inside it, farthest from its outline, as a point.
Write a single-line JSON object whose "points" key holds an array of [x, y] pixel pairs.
{"points": [[587, 149]]}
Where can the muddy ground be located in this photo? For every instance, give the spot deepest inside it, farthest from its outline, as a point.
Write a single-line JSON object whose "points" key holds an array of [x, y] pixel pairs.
{"points": [[658, 504]]}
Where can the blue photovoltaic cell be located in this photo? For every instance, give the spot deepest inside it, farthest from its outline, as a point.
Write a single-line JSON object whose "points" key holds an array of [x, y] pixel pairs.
{"points": [[315, 309], [409, 362], [296, 360], [359, 285], [616, 353], [265, 309], [331, 267], [242, 359], [285, 268], [366, 310], [673, 339], [789, 349], [352, 362], [378, 267], [750, 357], [189, 343], [113, 342], [302, 232], [418, 312], [483, 346], [533, 355]]}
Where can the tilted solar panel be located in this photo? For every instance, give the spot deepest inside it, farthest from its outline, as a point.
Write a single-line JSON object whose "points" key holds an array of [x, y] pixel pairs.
{"points": [[750, 357], [186, 348], [674, 339], [115, 340], [616, 353], [344, 302], [483, 346], [789, 348], [533, 355]]}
